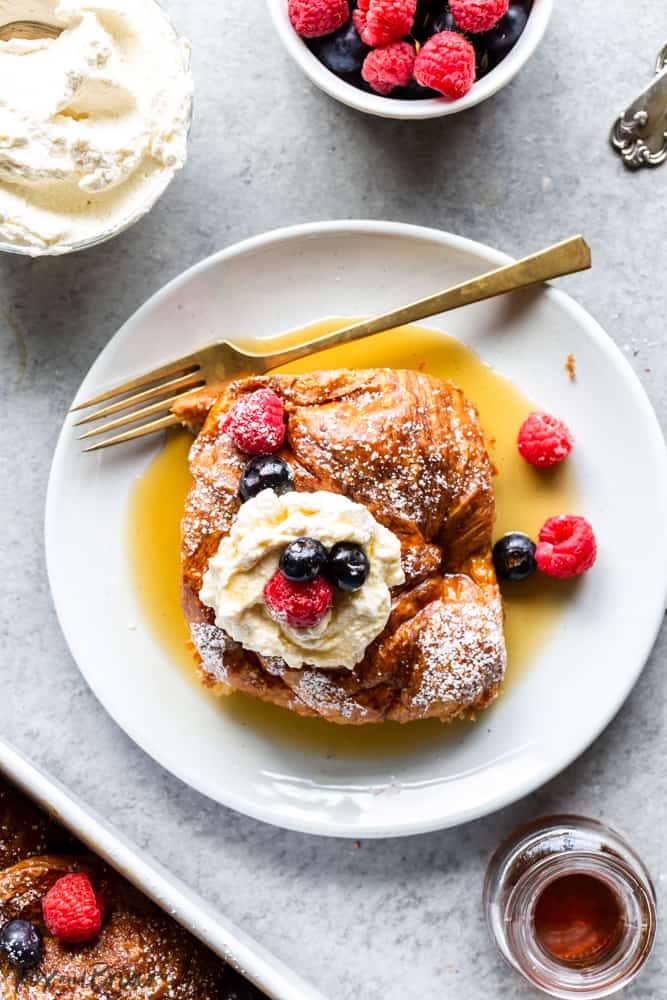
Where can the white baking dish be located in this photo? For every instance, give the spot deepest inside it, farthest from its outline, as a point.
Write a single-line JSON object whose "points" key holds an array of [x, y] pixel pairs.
{"points": [[220, 934]]}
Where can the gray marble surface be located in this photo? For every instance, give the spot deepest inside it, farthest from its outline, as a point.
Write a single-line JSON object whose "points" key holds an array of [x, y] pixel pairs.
{"points": [[393, 919]]}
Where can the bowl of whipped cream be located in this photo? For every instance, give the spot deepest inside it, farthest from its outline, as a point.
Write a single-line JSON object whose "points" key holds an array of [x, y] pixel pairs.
{"points": [[94, 123]]}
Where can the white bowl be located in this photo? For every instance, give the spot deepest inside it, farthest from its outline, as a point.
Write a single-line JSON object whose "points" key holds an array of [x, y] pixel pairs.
{"points": [[152, 195], [431, 107], [576, 680]]}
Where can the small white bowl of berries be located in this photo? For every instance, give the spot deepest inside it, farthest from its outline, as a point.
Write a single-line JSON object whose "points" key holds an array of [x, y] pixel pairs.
{"points": [[411, 58]]}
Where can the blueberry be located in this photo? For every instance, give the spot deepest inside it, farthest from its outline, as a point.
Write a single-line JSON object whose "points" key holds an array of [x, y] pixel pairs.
{"points": [[303, 560], [21, 943], [348, 566], [357, 80], [443, 22], [414, 92], [427, 12], [483, 62], [507, 32], [342, 52], [431, 21], [266, 472], [514, 557]]}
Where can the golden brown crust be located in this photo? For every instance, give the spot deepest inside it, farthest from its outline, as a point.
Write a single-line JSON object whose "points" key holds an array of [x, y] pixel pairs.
{"points": [[193, 408], [408, 447], [25, 830], [140, 953]]}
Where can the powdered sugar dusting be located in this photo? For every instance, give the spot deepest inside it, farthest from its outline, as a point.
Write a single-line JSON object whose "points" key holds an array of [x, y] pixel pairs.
{"points": [[212, 500], [410, 449], [410, 562], [414, 452], [320, 692], [463, 651], [203, 516], [212, 644], [139, 954]]}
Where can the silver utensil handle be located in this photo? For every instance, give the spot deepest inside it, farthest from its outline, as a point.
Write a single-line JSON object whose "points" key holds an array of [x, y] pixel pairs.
{"points": [[639, 135]]}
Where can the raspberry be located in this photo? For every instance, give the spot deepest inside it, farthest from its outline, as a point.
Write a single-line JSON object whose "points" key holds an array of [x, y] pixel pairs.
{"points": [[256, 423], [544, 440], [566, 547], [447, 64], [314, 18], [72, 911], [478, 15], [300, 605], [379, 22], [389, 66]]}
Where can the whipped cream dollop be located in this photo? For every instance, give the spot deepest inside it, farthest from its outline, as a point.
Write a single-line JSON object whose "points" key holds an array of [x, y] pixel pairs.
{"points": [[93, 124], [248, 557]]}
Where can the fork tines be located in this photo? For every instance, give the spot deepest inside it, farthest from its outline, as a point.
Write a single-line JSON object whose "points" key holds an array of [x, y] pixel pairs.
{"points": [[164, 385]]}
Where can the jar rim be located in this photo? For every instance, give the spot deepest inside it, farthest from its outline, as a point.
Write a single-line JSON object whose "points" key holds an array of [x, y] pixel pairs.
{"points": [[537, 855]]}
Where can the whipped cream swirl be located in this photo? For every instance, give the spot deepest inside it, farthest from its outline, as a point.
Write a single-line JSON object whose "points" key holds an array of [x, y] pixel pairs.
{"points": [[93, 124], [248, 557]]}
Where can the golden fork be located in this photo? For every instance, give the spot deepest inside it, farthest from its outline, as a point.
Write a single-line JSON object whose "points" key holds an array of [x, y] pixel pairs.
{"points": [[223, 361]]}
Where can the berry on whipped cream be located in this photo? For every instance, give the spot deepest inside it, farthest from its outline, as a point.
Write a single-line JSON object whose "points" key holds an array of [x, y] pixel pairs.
{"points": [[299, 605], [248, 559]]}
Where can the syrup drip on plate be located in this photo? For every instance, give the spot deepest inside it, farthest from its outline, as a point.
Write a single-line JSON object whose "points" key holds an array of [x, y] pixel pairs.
{"points": [[525, 498]]}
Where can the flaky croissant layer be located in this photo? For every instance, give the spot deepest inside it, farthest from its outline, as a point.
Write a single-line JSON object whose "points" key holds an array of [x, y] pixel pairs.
{"points": [[410, 448]]}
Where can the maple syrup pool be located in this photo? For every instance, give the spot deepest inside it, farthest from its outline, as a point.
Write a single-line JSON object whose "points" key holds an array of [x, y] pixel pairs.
{"points": [[525, 498]]}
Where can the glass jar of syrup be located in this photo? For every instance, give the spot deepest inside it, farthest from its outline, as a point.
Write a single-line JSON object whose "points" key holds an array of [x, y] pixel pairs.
{"points": [[571, 907]]}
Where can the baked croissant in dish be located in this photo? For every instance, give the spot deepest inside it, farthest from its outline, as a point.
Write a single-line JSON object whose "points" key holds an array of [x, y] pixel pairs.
{"points": [[139, 954], [26, 831], [409, 449]]}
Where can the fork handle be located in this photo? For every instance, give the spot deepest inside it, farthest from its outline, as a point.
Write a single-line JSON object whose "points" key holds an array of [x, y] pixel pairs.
{"points": [[564, 258]]}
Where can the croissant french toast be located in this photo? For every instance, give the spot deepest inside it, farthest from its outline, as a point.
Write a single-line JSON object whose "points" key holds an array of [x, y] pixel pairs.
{"points": [[25, 830], [409, 449], [139, 954]]}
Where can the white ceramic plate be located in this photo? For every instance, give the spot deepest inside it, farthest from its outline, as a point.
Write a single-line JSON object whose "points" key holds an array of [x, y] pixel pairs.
{"points": [[583, 671]]}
